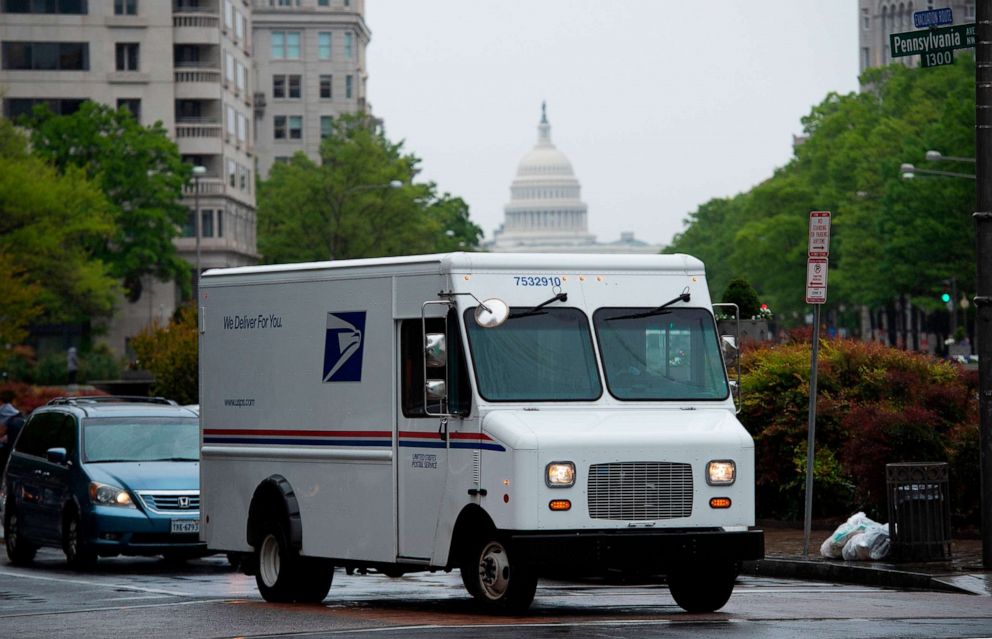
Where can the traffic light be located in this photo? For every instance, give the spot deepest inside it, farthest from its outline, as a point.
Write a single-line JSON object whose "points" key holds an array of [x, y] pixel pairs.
{"points": [[945, 297]]}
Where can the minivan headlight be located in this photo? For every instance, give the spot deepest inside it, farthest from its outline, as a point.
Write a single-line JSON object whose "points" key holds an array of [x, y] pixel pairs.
{"points": [[721, 472], [559, 474], [107, 495]]}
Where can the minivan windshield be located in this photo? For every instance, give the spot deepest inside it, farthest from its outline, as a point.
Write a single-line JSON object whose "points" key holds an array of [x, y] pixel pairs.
{"points": [[536, 355], [141, 439], [670, 354]]}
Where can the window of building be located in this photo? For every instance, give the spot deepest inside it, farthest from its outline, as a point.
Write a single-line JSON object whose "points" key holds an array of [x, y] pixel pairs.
{"points": [[242, 127], [132, 105], [232, 127], [242, 178], [278, 86], [68, 7], [228, 14], [294, 86], [189, 228], [242, 81], [232, 172], [296, 127], [207, 223], [349, 45], [125, 7], [348, 82], [228, 67], [326, 126], [324, 45], [46, 56], [865, 19], [127, 56], [279, 127], [14, 108], [325, 87], [220, 222], [324, 3], [282, 159], [286, 86], [865, 57], [969, 11], [286, 45], [239, 25]]}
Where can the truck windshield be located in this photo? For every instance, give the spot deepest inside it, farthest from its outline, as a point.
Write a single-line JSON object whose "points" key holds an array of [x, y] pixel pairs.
{"points": [[542, 355], [671, 354]]}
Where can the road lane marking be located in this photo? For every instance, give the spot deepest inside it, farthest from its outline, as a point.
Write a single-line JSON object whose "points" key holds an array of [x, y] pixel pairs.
{"points": [[84, 582], [52, 613]]}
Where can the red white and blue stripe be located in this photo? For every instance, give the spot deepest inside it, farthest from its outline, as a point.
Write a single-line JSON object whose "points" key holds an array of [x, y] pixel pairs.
{"points": [[347, 438]]}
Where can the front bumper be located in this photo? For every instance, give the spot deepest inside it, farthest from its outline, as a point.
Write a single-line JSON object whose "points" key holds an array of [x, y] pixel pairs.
{"points": [[641, 551], [116, 531]]}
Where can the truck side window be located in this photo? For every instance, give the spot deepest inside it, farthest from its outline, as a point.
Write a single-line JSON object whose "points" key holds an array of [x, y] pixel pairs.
{"points": [[412, 367]]}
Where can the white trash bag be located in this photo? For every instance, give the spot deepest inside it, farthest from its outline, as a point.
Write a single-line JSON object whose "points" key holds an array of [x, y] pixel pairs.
{"points": [[833, 547], [873, 544]]}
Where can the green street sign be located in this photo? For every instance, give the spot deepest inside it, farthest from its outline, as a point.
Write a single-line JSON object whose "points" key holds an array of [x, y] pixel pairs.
{"points": [[959, 36], [936, 59]]}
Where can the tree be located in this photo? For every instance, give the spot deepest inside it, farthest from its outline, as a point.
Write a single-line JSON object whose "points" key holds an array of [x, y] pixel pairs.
{"points": [[359, 201], [891, 237], [170, 353], [50, 225], [141, 173], [741, 293]]}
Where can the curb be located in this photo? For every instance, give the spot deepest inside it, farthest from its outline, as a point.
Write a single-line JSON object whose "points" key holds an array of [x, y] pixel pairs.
{"points": [[850, 574]]}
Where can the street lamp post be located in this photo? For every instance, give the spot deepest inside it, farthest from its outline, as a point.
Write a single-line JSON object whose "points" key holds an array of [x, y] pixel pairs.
{"points": [[909, 171], [338, 204], [198, 172]]}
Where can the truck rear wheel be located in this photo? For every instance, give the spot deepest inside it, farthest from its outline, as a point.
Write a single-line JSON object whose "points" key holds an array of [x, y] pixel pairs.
{"points": [[495, 579], [702, 588], [282, 576]]}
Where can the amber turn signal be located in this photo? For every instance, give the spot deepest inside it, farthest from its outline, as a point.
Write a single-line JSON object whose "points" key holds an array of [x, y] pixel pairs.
{"points": [[720, 502], [560, 504]]}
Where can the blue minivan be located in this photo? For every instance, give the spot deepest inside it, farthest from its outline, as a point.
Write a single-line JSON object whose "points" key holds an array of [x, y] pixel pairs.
{"points": [[103, 476]]}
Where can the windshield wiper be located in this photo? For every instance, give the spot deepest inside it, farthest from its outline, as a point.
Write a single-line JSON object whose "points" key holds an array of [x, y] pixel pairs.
{"points": [[684, 297], [560, 297]]}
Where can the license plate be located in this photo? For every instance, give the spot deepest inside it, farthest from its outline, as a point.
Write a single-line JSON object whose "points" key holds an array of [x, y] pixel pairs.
{"points": [[181, 526]]}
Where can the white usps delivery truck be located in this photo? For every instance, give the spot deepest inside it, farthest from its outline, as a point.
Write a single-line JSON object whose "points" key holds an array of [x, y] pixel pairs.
{"points": [[506, 415]]}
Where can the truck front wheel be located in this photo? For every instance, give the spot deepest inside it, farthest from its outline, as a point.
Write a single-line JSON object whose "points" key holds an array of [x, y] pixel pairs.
{"points": [[282, 576], [702, 588], [495, 579]]}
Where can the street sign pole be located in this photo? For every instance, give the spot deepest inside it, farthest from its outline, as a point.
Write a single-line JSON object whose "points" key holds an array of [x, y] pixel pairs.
{"points": [[811, 438], [983, 233], [817, 266]]}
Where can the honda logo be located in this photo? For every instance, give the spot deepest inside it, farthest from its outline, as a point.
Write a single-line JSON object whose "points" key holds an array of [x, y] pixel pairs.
{"points": [[184, 502]]}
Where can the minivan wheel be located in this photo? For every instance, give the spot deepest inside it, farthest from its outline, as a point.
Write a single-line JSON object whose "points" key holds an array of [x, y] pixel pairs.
{"points": [[19, 552], [78, 555], [495, 579]]}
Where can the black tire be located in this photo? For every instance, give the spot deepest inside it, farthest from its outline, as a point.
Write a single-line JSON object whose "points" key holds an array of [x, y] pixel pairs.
{"points": [[282, 576], [78, 555], [702, 588], [497, 582], [19, 551]]}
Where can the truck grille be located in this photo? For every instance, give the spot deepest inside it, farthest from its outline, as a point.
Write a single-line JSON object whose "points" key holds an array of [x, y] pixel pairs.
{"points": [[640, 491], [171, 501]]}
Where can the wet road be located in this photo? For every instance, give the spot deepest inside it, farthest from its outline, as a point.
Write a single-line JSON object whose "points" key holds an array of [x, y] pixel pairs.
{"points": [[149, 598]]}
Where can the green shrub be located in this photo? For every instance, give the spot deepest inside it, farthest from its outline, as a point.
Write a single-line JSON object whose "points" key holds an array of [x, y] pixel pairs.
{"points": [[875, 405], [740, 292], [99, 364], [171, 354]]}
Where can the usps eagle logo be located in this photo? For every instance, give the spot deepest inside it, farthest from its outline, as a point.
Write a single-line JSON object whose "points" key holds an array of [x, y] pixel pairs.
{"points": [[344, 344]]}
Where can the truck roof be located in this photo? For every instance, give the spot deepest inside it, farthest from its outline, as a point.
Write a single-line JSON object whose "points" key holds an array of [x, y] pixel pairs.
{"points": [[477, 262]]}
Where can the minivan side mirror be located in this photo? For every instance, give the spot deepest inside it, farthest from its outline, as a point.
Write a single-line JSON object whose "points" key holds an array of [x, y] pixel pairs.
{"points": [[57, 455]]}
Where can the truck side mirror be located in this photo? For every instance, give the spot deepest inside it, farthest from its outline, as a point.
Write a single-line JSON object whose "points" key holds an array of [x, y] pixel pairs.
{"points": [[730, 351], [436, 390], [435, 349], [491, 313]]}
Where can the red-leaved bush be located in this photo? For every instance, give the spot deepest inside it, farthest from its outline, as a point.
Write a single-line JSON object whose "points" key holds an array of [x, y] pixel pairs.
{"points": [[875, 405]]}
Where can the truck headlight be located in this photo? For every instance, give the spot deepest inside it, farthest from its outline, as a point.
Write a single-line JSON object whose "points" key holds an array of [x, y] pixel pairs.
{"points": [[721, 472], [107, 495], [559, 474]]}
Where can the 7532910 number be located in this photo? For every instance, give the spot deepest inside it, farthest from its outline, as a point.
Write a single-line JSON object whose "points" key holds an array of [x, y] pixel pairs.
{"points": [[536, 280]]}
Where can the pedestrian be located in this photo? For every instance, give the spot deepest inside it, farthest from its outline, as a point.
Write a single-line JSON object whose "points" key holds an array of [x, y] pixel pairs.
{"points": [[11, 421], [72, 364]]}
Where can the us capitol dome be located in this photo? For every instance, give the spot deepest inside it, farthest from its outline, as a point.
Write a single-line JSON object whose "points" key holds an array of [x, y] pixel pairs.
{"points": [[546, 212]]}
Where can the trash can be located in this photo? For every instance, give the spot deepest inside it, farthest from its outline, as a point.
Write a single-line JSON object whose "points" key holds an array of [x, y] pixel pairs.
{"points": [[919, 511]]}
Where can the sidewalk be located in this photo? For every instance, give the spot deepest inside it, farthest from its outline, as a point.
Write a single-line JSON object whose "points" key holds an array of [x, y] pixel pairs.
{"points": [[784, 558]]}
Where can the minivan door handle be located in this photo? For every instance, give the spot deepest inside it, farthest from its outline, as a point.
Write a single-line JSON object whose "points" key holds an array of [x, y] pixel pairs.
{"points": [[42, 473]]}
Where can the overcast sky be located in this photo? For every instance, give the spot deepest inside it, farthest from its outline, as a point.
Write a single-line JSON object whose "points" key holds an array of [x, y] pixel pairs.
{"points": [[659, 105]]}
